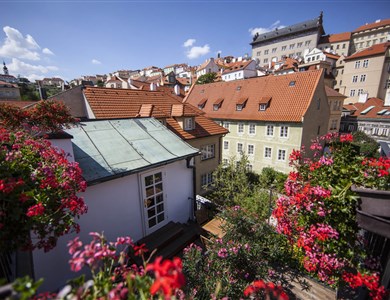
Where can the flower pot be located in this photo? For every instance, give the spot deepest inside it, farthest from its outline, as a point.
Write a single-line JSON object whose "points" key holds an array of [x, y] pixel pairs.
{"points": [[374, 224], [373, 202]]}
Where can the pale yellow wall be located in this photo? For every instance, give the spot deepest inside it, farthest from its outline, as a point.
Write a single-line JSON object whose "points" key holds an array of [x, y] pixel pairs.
{"points": [[382, 91], [208, 165], [260, 140], [315, 117], [335, 107], [363, 40]]}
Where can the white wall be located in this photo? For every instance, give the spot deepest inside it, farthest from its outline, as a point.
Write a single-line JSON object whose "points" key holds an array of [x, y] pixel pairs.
{"points": [[114, 207]]}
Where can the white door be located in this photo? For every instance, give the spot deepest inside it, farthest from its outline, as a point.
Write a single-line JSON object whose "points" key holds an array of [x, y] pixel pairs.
{"points": [[153, 201]]}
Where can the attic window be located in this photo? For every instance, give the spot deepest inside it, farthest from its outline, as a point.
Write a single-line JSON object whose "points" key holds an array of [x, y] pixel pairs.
{"points": [[217, 104], [263, 103], [262, 106], [238, 88], [202, 103], [189, 123], [241, 103], [239, 107], [202, 91], [292, 83]]}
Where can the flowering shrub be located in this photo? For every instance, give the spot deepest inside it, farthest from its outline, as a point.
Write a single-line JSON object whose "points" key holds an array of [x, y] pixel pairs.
{"points": [[317, 215], [38, 185], [38, 192], [260, 290], [45, 116], [370, 281]]}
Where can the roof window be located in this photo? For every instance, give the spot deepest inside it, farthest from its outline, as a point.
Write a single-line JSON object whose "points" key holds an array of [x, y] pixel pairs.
{"points": [[292, 83], [382, 112], [367, 110], [238, 88]]}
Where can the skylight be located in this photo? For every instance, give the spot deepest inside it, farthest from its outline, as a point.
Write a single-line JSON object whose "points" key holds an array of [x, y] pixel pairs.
{"points": [[367, 110], [292, 83], [382, 112]]}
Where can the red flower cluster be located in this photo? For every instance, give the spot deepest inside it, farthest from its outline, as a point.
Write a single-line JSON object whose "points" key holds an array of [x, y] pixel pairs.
{"points": [[168, 276], [260, 288], [371, 281]]}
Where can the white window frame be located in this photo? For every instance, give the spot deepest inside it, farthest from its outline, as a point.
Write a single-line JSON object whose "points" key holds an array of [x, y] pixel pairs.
{"points": [[206, 179], [252, 129], [363, 78], [207, 152], [359, 92], [283, 131], [284, 154], [355, 78], [365, 63], [352, 93], [268, 152], [270, 128], [226, 125], [240, 145], [240, 128], [226, 145], [357, 64], [189, 123], [262, 107], [252, 152]]}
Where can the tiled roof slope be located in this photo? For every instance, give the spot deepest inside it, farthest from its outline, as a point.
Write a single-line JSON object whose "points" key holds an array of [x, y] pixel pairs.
{"points": [[377, 104], [332, 93], [373, 25], [290, 97], [372, 51], [125, 103], [18, 103], [237, 66], [339, 37]]}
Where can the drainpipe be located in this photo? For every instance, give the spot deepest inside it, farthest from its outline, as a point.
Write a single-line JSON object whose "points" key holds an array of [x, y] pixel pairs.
{"points": [[189, 166]]}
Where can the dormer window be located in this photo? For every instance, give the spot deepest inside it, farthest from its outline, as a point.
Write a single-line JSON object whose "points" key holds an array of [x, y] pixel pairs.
{"points": [[264, 103], [217, 104], [189, 124], [202, 103], [241, 104]]}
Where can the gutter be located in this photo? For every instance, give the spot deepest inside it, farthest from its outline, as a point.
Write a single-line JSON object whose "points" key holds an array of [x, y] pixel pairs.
{"points": [[134, 171], [189, 166]]}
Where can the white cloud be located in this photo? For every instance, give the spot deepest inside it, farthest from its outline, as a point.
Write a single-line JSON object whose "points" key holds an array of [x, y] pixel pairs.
{"points": [[47, 51], [17, 67], [197, 51], [261, 30], [189, 43], [96, 62], [15, 45]]}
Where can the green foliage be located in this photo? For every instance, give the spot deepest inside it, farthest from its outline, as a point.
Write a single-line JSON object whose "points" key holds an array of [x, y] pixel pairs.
{"points": [[100, 83], [247, 252], [269, 177], [230, 183], [28, 92], [368, 147], [206, 78], [25, 287]]}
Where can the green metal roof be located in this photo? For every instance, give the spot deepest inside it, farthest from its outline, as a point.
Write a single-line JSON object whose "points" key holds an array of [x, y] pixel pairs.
{"points": [[107, 149]]}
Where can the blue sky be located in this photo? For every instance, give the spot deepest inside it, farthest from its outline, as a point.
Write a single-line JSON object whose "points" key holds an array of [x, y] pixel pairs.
{"points": [[73, 38]]}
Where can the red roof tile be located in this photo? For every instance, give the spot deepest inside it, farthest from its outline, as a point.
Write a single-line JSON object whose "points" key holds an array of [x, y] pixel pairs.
{"points": [[372, 51], [108, 103], [375, 103], [332, 93], [339, 37], [237, 66], [373, 25], [291, 95]]}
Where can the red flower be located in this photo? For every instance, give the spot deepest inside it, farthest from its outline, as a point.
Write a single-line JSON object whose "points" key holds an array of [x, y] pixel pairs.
{"points": [[35, 210], [140, 250], [168, 274], [346, 138]]}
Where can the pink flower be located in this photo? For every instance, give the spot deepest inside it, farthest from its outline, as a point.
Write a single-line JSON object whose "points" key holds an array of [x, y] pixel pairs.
{"points": [[35, 210]]}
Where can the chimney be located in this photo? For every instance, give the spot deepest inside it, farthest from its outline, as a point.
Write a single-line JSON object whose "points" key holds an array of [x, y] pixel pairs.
{"points": [[177, 89], [152, 86], [363, 97]]}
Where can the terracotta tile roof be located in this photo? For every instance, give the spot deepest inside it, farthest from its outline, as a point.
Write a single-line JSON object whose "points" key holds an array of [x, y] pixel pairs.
{"points": [[372, 25], [376, 105], [264, 100], [7, 84], [108, 103], [183, 80], [291, 95], [339, 37], [114, 79], [237, 66], [371, 51], [218, 101], [332, 93], [242, 100]]}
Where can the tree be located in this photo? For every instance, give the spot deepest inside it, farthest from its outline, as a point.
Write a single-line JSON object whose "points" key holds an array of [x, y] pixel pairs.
{"points": [[100, 83], [206, 78]]}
